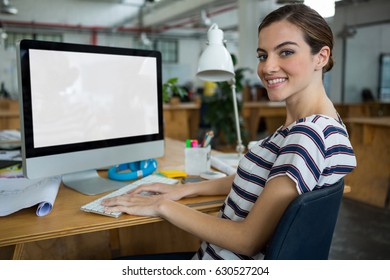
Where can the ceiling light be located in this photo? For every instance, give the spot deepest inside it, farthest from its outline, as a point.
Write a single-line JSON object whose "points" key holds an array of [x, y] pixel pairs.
{"points": [[205, 19], [6, 8], [145, 40], [325, 8]]}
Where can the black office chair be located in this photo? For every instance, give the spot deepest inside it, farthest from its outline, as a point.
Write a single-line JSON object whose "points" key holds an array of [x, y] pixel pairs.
{"points": [[306, 228]]}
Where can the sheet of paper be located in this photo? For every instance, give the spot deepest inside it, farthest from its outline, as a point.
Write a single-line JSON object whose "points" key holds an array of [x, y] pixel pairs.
{"points": [[10, 139], [10, 155], [19, 193], [222, 165]]}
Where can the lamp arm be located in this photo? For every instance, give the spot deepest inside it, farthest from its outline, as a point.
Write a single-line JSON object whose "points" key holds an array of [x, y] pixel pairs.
{"points": [[240, 147]]}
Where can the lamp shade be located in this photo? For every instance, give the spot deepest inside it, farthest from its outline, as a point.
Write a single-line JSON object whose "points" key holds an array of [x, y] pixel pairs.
{"points": [[215, 63]]}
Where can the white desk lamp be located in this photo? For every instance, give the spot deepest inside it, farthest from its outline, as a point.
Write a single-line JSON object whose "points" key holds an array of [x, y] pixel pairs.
{"points": [[216, 65]]}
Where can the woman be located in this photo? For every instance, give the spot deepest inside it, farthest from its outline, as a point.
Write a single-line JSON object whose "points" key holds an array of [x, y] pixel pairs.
{"points": [[310, 151]]}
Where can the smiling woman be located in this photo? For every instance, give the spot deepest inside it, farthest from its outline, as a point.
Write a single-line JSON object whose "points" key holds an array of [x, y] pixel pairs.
{"points": [[312, 151]]}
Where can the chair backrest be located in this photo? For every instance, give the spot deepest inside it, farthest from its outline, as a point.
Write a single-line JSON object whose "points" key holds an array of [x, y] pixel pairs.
{"points": [[306, 228]]}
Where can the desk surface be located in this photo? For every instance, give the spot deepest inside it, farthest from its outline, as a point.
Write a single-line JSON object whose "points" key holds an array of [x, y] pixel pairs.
{"points": [[67, 219], [376, 121]]}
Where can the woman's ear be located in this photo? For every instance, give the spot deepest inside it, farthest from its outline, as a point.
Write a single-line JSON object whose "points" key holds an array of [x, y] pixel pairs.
{"points": [[323, 57]]}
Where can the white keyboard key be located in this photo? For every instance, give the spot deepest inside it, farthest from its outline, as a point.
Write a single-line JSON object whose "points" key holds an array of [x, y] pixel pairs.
{"points": [[97, 208]]}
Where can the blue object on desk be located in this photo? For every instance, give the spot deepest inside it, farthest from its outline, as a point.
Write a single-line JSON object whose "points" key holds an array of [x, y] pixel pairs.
{"points": [[137, 170]]}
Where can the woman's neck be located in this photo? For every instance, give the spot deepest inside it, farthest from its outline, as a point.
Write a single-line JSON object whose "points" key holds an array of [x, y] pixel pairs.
{"points": [[316, 102]]}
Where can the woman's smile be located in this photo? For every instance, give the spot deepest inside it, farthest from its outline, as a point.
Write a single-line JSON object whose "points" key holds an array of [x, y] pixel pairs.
{"points": [[275, 82]]}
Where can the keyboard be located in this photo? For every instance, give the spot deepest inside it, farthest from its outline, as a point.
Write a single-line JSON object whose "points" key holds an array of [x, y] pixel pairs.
{"points": [[95, 207]]}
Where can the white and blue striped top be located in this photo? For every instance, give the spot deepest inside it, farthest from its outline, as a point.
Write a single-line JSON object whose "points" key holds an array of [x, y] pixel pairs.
{"points": [[314, 152]]}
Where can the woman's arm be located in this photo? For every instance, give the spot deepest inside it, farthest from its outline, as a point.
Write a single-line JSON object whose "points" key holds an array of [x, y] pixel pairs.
{"points": [[247, 237], [219, 186]]}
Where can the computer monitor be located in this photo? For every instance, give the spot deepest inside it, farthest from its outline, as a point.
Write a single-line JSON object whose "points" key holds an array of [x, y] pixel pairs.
{"points": [[85, 107]]}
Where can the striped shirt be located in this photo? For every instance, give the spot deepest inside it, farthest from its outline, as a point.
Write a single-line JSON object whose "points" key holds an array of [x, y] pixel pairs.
{"points": [[314, 152]]}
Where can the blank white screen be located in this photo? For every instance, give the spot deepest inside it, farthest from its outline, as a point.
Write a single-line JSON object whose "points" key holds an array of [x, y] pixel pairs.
{"points": [[82, 97]]}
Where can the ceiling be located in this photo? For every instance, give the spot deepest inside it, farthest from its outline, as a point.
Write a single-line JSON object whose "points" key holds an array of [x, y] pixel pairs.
{"points": [[185, 18], [175, 17]]}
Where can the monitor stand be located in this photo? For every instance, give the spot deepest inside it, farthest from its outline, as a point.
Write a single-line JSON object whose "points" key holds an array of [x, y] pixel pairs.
{"points": [[90, 183]]}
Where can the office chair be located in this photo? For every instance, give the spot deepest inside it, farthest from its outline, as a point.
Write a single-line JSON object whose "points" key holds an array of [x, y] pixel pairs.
{"points": [[306, 228]]}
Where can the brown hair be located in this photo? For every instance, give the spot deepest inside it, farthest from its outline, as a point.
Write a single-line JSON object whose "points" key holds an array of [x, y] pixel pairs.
{"points": [[317, 32]]}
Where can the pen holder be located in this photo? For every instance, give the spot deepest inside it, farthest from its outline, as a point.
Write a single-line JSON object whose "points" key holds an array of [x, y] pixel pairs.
{"points": [[197, 160]]}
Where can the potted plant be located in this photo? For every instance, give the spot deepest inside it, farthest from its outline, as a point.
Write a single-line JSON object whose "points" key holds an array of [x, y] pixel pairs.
{"points": [[172, 93]]}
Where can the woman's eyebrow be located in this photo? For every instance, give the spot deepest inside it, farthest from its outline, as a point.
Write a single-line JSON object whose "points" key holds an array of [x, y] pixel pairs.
{"points": [[281, 45]]}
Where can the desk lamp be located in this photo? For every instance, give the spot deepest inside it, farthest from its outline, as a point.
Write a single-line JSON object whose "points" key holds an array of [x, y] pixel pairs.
{"points": [[216, 65]]}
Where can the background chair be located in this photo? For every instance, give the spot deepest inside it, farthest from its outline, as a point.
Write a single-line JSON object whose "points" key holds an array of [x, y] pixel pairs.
{"points": [[306, 228]]}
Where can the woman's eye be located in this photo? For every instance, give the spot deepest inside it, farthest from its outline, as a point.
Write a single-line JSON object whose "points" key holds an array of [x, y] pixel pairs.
{"points": [[286, 53], [261, 57]]}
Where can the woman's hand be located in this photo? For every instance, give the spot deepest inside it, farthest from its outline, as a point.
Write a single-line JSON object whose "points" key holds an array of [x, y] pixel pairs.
{"points": [[171, 192], [134, 204], [144, 200]]}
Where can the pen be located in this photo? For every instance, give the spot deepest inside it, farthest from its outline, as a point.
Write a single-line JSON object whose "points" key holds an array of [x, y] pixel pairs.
{"points": [[194, 143], [209, 135]]}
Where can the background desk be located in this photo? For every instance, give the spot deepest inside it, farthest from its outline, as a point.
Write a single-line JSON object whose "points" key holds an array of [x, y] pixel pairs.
{"points": [[370, 181], [69, 233], [9, 114], [274, 114], [366, 109], [181, 121]]}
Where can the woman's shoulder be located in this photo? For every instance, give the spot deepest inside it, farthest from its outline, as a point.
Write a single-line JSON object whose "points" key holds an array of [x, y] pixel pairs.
{"points": [[319, 123], [323, 130]]}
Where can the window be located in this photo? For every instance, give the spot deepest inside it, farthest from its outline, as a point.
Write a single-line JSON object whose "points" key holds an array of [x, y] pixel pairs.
{"points": [[168, 49], [14, 37], [384, 77]]}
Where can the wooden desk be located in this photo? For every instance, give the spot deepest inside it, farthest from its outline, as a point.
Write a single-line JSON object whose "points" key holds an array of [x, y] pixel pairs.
{"points": [[274, 114], [370, 181], [9, 114], [181, 121], [366, 109], [69, 233]]}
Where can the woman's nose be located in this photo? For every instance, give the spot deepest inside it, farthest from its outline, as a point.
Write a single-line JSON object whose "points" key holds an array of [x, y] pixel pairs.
{"points": [[270, 65]]}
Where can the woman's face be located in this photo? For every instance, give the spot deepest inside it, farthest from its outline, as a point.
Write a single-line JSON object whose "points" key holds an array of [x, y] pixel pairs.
{"points": [[286, 66]]}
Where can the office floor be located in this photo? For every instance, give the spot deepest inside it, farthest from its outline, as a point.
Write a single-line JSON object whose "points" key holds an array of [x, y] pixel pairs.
{"points": [[362, 233]]}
